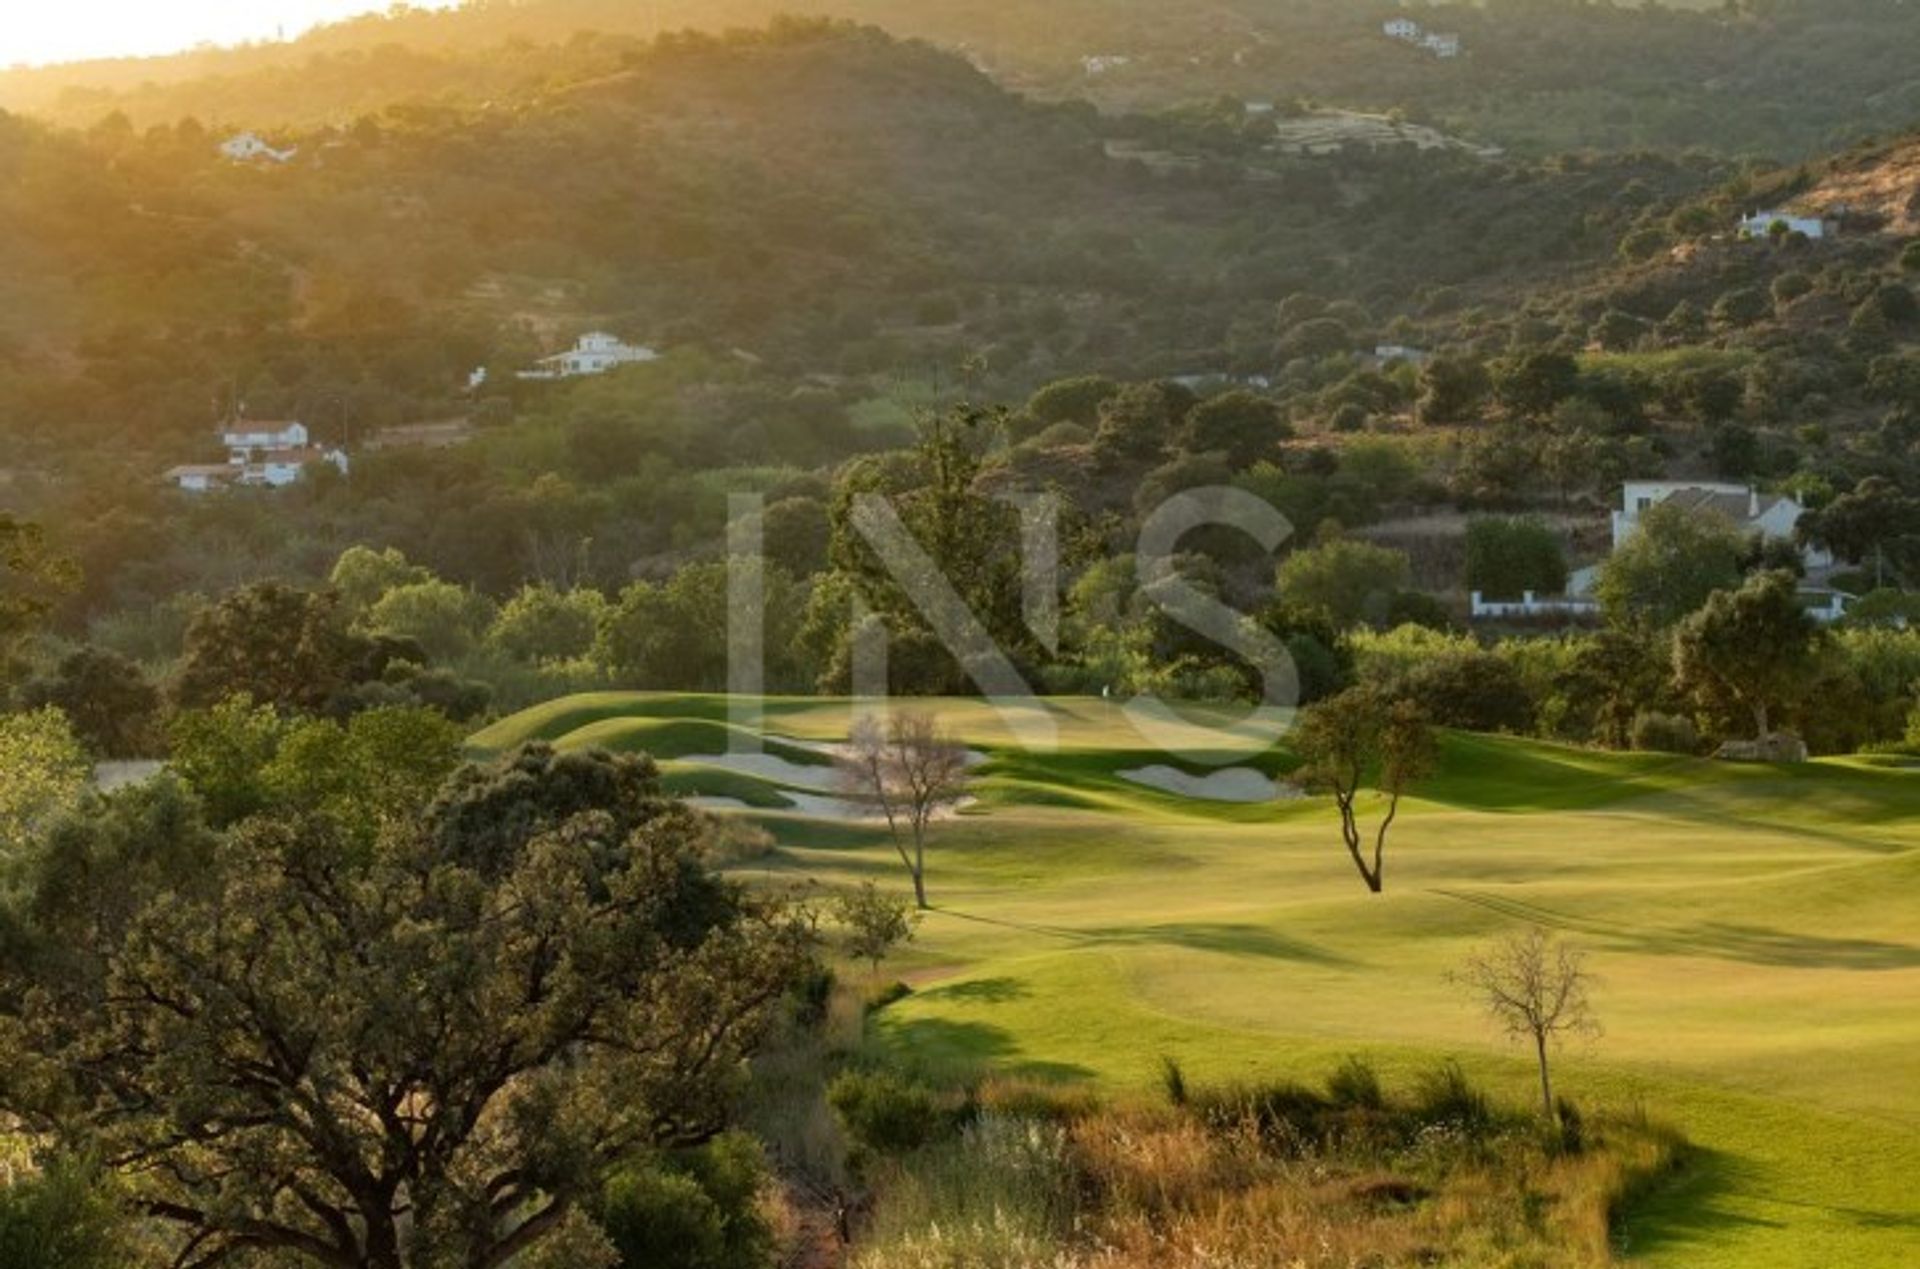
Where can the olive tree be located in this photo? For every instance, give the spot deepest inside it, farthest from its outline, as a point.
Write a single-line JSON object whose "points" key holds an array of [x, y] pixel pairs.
{"points": [[1359, 739], [1747, 650]]}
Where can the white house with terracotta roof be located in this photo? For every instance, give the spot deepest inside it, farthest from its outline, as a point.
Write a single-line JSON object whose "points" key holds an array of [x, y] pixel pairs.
{"points": [[596, 353], [259, 455]]}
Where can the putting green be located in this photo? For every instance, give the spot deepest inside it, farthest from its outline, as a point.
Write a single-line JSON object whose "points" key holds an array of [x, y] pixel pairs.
{"points": [[1756, 931]]}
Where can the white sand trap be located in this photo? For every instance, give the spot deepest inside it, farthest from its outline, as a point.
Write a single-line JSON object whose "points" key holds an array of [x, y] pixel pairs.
{"points": [[767, 766], [1234, 784], [718, 804], [817, 806], [837, 748]]}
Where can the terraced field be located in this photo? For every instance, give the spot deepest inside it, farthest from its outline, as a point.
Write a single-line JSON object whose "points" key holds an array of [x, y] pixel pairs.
{"points": [[1757, 932]]}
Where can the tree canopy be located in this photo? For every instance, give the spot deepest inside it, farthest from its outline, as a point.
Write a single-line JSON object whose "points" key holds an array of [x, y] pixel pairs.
{"points": [[424, 1048]]}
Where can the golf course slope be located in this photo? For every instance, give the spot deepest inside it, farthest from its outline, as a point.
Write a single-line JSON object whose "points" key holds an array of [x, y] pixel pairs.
{"points": [[1755, 930]]}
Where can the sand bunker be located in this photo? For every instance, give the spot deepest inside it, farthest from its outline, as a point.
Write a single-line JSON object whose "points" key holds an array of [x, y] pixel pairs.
{"points": [[767, 766], [1234, 784]]}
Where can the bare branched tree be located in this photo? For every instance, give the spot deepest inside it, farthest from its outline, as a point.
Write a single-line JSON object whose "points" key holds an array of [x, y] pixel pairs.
{"points": [[909, 771], [1535, 987]]}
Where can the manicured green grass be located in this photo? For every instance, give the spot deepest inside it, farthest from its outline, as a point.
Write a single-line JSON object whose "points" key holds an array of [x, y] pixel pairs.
{"points": [[1756, 932]]}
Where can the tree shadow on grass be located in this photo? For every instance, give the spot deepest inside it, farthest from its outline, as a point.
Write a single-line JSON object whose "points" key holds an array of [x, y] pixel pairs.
{"points": [[1751, 944], [1687, 1208], [945, 1045], [1224, 937], [1691, 1208], [992, 991]]}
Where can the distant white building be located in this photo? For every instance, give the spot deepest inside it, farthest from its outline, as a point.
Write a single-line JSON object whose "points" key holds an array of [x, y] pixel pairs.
{"points": [[596, 353], [201, 477], [242, 438], [259, 455], [1760, 224], [248, 147], [1384, 353], [1531, 605], [1771, 516], [1407, 31], [1102, 63]]}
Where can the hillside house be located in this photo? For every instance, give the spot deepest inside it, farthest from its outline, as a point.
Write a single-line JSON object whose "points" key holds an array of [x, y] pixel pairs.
{"points": [[259, 455], [242, 439], [247, 147], [201, 477], [1760, 224], [1770, 516], [596, 353], [1407, 31]]}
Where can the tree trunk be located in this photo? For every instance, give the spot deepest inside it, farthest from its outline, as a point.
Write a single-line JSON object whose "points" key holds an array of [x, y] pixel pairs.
{"points": [[920, 872], [1546, 1083], [1760, 720]]}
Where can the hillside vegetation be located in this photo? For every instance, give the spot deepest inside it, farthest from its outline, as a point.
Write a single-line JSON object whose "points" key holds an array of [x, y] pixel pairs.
{"points": [[1780, 78]]}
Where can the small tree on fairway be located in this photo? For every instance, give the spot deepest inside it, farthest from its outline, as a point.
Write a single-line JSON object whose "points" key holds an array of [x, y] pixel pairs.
{"points": [[1360, 735], [1536, 989], [909, 771], [876, 923], [1747, 649]]}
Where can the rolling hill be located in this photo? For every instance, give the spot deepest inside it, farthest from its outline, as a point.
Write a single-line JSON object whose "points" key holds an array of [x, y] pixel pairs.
{"points": [[1779, 79]]}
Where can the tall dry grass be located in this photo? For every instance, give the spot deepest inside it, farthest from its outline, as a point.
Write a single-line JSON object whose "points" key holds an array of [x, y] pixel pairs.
{"points": [[1262, 1178]]}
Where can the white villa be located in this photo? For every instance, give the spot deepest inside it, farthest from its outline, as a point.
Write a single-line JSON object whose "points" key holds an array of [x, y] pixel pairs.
{"points": [[242, 439], [596, 353], [1407, 31], [259, 455], [1760, 224], [1772, 516], [247, 146], [1769, 516]]}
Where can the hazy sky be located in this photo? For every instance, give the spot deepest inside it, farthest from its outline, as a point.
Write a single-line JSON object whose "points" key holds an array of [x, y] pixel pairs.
{"points": [[38, 31]]}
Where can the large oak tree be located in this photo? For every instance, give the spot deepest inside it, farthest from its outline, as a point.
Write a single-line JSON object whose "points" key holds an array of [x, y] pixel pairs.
{"points": [[426, 1049]]}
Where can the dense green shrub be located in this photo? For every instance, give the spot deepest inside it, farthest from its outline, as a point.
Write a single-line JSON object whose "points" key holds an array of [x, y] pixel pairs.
{"points": [[1355, 1083], [1654, 732], [1474, 691], [696, 1210], [60, 1219], [1510, 555], [888, 1115], [1444, 1095]]}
